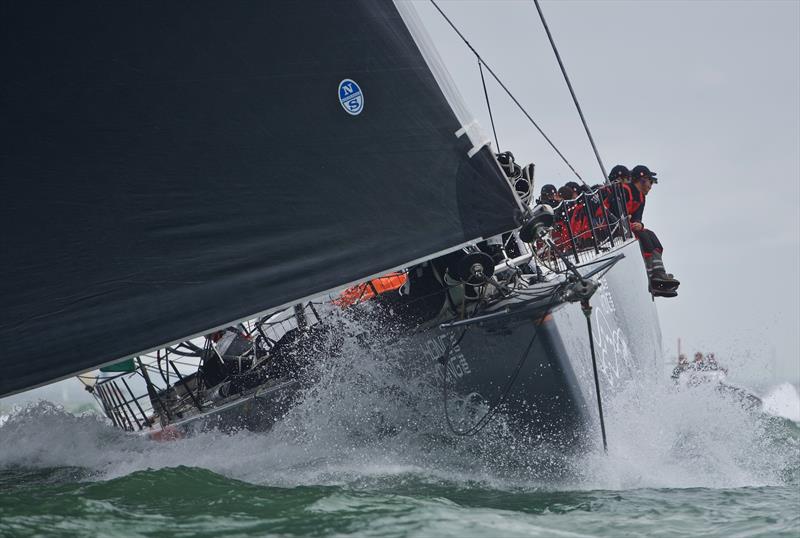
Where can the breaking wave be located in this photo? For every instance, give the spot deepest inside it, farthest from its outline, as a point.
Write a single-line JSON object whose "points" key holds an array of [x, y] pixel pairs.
{"points": [[363, 424]]}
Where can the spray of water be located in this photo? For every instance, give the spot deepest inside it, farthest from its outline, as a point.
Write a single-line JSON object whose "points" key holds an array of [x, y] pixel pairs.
{"points": [[364, 422], [698, 437], [783, 401]]}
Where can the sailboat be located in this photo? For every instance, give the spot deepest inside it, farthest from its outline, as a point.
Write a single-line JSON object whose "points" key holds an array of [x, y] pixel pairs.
{"points": [[192, 194]]}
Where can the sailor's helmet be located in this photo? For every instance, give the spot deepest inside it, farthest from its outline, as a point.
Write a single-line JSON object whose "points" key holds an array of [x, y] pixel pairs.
{"points": [[640, 171], [619, 173]]}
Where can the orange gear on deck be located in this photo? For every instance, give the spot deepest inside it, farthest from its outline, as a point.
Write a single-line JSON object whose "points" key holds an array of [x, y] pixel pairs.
{"points": [[369, 289]]}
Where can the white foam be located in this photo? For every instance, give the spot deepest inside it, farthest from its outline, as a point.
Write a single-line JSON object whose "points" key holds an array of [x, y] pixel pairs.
{"points": [[783, 401], [363, 423], [701, 437]]}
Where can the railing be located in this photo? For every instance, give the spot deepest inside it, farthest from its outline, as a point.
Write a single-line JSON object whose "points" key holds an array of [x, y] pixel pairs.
{"points": [[122, 407], [166, 384], [593, 223]]}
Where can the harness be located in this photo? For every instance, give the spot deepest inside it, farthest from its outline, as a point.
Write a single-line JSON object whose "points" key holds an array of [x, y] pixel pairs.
{"points": [[633, 199]]}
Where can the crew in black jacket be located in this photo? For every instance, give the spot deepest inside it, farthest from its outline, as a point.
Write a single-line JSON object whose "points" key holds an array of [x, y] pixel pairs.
{"points": [[662, 283]]}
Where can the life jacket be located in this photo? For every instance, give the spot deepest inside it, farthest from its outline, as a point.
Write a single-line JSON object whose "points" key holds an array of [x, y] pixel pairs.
{"points": [[579, 220], [367, 290], [633, 198], [595, 209], [601, 204], [613, 197], [560, 236]]}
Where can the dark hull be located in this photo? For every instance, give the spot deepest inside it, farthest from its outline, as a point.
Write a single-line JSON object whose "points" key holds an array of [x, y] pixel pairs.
{"points": [[553, 396], [257, 410]]}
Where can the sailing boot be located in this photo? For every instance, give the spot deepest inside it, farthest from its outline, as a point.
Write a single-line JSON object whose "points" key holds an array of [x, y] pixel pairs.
{"points": [[654, 288], [659, 276], [657, 255], [659, 292]]}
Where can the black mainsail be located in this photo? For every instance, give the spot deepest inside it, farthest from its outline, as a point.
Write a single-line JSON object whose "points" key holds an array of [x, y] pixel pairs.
{"points": [[171, 167]]}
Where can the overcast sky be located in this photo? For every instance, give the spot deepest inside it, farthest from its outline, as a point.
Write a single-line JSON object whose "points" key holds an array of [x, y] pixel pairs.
{"points": [[705, 93]]}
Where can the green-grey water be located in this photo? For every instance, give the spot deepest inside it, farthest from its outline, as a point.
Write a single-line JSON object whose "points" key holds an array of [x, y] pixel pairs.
{"points": [[186, 501], [693, 463]]}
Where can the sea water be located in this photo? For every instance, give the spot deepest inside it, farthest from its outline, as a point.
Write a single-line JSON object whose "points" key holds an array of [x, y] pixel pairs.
{"points": [[365, 454]]}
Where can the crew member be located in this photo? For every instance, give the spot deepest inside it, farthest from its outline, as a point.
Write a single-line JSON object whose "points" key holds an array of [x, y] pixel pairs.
{"points": [[549, 196], [711, 361], [683, 364], [567, 193], [662, 283], [619, 175], [577, 188]]}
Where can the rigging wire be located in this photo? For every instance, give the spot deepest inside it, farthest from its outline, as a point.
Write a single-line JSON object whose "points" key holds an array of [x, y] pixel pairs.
{"points": [[508, 92], [488, 104], [571, 91]]}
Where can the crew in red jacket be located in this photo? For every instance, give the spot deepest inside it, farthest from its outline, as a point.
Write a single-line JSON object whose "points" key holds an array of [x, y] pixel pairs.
{"points": [[662, 283]]}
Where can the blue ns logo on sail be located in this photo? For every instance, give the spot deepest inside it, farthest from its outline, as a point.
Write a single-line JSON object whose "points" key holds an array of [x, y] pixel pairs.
{"points": [[350, 97]]}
